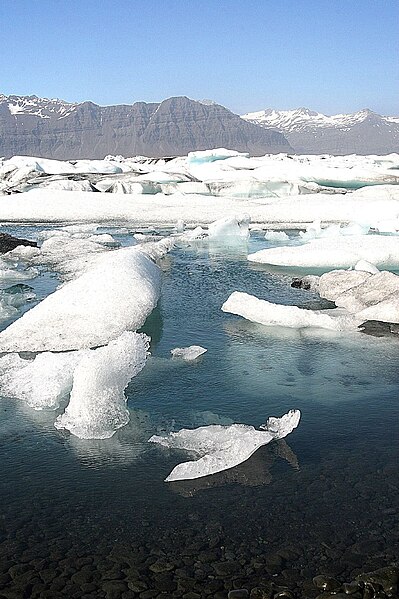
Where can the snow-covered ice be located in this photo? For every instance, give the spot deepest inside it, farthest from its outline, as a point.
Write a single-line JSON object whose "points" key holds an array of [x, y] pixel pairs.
{"points": [[222, 447], [114, 295], [97, 406], [188, 353]]}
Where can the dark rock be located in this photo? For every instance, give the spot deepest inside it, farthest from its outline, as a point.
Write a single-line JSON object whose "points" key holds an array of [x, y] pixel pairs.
{"points": [[8, 242], [173, 127], [238, 594], [161, 566], [113, 588], [225, 568], [326, 583]]}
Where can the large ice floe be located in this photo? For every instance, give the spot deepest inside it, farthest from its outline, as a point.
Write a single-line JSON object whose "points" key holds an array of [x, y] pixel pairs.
{"points": [[115, 294], [329, 253], [97, 406], [222, 447]]}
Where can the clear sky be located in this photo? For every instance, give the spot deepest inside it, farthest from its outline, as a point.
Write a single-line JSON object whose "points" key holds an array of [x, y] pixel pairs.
{"points": [[328, 55]]}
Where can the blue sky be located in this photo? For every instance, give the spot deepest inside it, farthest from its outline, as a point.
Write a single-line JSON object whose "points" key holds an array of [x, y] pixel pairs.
{"points": [[329, 55]]}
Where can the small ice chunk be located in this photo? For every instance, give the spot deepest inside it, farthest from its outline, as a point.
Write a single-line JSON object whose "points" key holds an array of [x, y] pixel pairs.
{"points": [[204, 156], [188, 353], [278, 236], [365, 266], [222, 447], [104, 239], [97, 407], [228, 227], [197, 233]]}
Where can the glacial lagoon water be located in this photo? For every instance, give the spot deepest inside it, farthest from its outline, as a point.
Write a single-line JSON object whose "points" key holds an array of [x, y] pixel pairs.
{"points": [[85, 518]]}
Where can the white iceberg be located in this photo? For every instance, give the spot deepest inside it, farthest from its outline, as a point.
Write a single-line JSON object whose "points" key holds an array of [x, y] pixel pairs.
{"points": [[188, 353], [270, 314], [114, 295], [97, 406], [222, 447]]}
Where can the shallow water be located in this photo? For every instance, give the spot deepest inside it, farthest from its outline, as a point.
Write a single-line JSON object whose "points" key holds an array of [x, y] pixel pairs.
{"points": [[325, 500]]}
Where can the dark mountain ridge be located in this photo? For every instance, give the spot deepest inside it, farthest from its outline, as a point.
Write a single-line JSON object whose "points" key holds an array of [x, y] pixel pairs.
{"points": [[56, 129]]}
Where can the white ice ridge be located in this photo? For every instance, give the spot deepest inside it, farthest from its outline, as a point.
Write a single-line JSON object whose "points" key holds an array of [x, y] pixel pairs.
{"points": [[188, 353], [114, 295], [270, 314], [344, 252], [222, 447], [97, 406]]}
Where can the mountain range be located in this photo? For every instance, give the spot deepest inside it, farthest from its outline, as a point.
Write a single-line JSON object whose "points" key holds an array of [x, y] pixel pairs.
{"points": [[56, 129], [53, 128], [309, 132]]}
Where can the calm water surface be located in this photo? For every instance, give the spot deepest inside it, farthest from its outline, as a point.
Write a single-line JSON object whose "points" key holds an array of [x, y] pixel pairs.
{"points": [[325, 500]]}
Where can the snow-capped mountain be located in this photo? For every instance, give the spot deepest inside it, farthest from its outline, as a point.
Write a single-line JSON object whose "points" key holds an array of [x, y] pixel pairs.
{"points": [[363, 132], [53, 128], [43, 108]]}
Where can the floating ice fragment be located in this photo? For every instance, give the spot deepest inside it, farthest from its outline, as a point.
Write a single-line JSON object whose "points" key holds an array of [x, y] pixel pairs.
{"points": [[188, 353], [236, 227], [97, 406], [204, 156], [278, 236], [223, 447], [269, 314]]}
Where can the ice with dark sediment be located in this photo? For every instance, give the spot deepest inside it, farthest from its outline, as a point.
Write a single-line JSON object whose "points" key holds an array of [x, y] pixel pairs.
{"points": [[222, 447]]}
